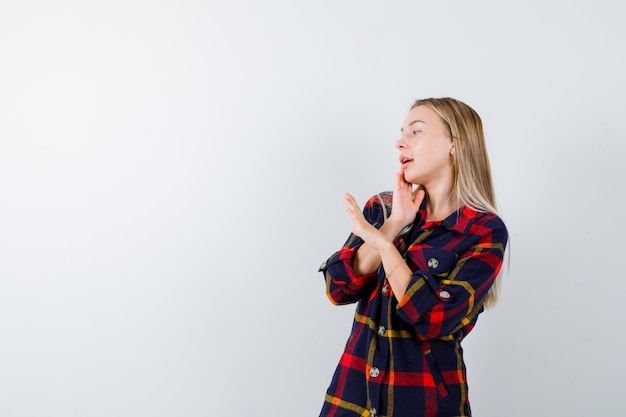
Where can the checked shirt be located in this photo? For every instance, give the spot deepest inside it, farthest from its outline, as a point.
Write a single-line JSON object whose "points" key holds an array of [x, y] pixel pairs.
{"points": [[404, 357]]}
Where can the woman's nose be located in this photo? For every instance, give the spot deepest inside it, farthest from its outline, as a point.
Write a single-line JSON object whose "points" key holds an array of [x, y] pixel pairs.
{"points": [[400, 144]]}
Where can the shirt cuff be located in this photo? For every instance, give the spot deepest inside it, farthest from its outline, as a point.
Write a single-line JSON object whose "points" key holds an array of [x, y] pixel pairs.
{"points": [[340, 266], [421, 295]]}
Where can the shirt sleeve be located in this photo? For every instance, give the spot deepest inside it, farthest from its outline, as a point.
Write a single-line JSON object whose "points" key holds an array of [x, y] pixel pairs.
{"points": [[441, 305], [343, 286]]}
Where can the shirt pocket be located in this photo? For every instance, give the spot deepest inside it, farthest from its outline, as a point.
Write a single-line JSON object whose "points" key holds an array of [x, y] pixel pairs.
{"points": [[438, 262]]}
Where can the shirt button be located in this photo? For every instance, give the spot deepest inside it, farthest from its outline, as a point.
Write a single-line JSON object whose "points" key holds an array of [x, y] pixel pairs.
{"points": [[381, 330], [444, 295], [373, 412], [433, 263], [374, 372], [385, 289]]}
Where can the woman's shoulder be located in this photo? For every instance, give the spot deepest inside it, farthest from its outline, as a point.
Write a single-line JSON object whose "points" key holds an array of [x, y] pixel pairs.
{"points": [[487, 223], [381, 199], [379, 205], [491, 218]]}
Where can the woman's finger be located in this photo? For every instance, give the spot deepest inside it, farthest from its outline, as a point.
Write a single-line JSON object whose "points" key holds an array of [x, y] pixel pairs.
{"points": [[419, 197], [400, 182], [353, 209], [350, 202]]}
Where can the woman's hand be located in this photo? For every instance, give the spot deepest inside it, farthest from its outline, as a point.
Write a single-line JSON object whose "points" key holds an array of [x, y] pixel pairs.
{"points": [[379, 248], [404, 205], [362, 228]]}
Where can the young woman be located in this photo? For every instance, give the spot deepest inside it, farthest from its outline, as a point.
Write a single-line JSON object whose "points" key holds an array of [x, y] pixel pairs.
{"points": [[421, 264]]}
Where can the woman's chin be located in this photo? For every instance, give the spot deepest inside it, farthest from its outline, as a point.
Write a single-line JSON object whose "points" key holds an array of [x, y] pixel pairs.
{"points": [[411, 178]]}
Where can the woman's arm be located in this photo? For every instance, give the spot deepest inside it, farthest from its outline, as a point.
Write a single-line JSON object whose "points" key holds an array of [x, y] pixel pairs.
{"points": [[438, 306], [367, 259], [404, 209], [344, 283], [379, 248]]}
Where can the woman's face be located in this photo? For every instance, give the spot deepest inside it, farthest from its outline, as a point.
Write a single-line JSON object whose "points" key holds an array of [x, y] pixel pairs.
{"points": [[425, 146]]}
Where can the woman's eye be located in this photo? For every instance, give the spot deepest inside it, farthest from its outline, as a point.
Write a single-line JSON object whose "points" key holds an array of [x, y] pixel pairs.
{"points": [[415, 132]]}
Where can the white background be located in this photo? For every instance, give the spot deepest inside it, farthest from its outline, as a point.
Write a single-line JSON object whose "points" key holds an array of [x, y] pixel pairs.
{"points": [[171, 175]]}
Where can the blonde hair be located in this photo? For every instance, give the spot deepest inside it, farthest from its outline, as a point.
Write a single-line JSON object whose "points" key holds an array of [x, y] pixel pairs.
{"points": [[472, 185]]}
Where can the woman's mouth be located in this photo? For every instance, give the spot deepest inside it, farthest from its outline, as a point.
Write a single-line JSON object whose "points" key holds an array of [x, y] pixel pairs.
{"points": [[405, 161]]}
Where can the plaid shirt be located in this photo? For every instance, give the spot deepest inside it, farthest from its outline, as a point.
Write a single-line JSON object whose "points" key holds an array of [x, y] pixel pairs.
{"points": [[404, 358]]}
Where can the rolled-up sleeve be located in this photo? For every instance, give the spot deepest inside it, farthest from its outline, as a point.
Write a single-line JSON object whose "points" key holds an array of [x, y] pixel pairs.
{"points": [[343, 286], [436, 306]]}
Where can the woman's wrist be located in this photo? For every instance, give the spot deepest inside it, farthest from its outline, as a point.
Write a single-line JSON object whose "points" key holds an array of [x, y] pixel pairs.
{"points": [[393, 227], [386, 247]]}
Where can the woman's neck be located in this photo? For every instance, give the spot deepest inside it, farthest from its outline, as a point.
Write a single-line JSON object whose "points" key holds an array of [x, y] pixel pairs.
{"points": [[440, 204]]}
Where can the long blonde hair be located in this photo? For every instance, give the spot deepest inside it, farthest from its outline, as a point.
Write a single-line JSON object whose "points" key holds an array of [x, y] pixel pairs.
{"points": [[472, 185]]}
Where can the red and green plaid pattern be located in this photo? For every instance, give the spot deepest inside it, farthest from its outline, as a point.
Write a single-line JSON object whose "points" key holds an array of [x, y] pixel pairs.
{"points": [[404, 358]]}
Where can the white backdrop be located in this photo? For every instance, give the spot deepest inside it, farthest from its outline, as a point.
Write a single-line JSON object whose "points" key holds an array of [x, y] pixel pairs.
{"points": [[171, 175]]}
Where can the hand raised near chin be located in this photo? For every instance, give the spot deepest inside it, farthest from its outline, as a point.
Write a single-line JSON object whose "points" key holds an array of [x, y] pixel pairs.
{"points": [[361, 227], [404, 206]]}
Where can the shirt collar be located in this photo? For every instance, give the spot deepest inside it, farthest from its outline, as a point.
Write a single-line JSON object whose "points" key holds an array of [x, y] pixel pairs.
{"points": [[459, 221]]}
